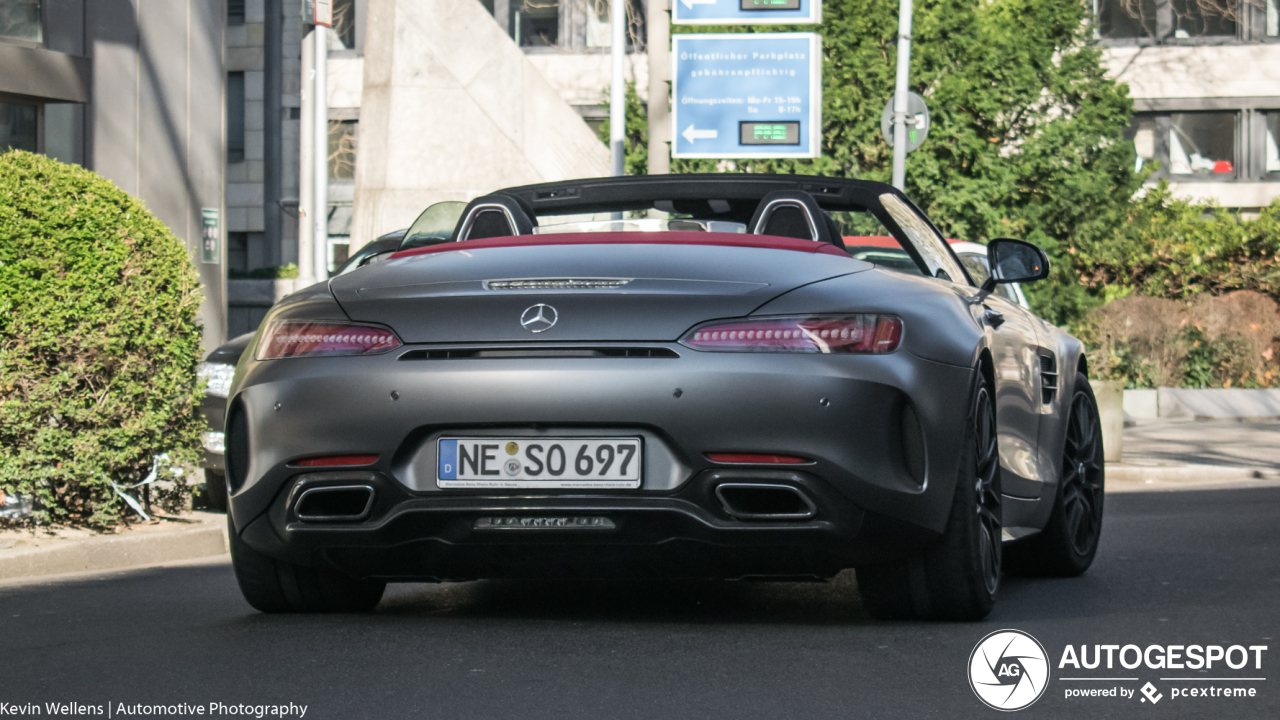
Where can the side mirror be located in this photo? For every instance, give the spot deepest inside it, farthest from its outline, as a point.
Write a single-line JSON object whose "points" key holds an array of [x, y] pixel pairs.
{"points": [[1016, 261]]}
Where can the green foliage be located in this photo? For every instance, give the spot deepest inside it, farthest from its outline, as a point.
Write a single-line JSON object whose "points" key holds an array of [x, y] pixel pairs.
{"points": [[637, 136], [1218, 362], [98, 343], [1177, 248], [288, 270]]}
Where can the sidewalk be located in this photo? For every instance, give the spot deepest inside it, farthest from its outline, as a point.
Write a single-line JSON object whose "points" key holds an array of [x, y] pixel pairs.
{"points": [[40, 553], [1192, 455]]}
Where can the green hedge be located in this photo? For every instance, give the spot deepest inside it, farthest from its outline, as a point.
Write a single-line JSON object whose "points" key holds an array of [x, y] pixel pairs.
{"points": [[1177, 248], [98, 344]]}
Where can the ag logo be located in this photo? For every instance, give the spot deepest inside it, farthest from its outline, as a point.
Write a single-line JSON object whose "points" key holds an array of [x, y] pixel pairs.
{"points": [[1008, 670]]}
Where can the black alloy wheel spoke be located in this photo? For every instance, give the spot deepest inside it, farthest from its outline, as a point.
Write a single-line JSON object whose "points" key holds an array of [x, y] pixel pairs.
{"points": [[1081, 491], [986, 495]]}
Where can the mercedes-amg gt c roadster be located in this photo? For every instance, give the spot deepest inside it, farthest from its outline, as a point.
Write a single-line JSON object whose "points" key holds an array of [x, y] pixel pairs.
{"points": [[709, 376]]}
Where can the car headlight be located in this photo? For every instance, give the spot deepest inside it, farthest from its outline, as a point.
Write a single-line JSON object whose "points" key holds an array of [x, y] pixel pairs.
{"points": [[217, 377], [839, 334]]}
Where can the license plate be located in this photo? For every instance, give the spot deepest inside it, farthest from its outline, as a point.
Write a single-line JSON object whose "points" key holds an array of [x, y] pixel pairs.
{"points": [[496, 462]]}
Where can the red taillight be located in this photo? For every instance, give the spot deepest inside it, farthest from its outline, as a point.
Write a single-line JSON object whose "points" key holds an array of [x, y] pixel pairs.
{"points": [[756, 458], [337, 461], [816, 334], [294, 338]]}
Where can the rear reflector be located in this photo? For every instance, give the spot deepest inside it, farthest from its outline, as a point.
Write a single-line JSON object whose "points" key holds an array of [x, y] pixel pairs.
{"points": [[294, 338], [839, 334], [337, 461], [756, 458]]}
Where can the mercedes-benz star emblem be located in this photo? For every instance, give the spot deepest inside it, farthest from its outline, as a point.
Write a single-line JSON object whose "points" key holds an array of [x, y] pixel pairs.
{"points": [[538, 318]]}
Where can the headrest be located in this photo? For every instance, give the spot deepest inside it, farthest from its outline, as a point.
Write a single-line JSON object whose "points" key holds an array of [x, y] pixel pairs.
{"points": [[494, 215], [794, 214]]}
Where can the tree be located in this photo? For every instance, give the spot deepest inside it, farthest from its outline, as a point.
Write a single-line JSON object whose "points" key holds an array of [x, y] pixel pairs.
{"points": [[1026, 134]]}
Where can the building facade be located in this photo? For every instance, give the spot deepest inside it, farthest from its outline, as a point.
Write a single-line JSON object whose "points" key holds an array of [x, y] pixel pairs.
{"points": [[1205, 78], [132, 89]]}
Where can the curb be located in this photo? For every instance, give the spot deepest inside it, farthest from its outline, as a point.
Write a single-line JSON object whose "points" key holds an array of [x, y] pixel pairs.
{"points": [[105, 553], [1122, 477]]}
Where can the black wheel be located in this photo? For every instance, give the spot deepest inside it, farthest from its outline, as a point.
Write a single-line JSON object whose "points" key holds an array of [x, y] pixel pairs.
{"points": [[273, 586], [1067, 545], [215, 489], [956, 578]]}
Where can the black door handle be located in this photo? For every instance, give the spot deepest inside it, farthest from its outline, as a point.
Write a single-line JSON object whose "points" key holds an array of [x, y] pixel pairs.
{"points": [[994, 318]]}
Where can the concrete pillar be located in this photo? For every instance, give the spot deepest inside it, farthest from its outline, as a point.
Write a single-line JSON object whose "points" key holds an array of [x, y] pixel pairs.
{"points": [[1110, 397], [451, 109]]}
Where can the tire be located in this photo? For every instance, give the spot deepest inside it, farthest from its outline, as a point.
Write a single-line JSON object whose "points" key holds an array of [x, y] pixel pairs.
{"points": [[1067, 545], [215, 489], [958, 576], [273, 586]]}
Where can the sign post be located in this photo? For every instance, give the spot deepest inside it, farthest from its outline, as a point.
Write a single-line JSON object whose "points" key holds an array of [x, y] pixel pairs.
{"points": [[900, 96], [756, 95]]}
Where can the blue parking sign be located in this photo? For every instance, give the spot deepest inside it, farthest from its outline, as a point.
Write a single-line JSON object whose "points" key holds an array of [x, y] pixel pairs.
{"points": [[746, 12], [741, 95]]}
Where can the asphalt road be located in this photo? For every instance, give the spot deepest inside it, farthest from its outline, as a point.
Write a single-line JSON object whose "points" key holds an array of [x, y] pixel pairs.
{"points": [[1174, 568]]}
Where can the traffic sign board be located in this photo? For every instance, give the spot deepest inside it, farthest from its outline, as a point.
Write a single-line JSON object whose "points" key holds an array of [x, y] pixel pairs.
{"points": [[747, 95], [746, 12], [917, 121]]}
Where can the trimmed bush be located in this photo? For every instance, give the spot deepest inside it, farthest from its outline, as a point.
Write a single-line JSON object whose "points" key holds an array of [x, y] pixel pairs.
{"points": [[98, 344], [1177, 248]]}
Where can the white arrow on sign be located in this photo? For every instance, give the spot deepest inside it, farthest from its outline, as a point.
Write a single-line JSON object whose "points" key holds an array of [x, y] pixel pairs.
{"points": [[691, 134], [690, 3]]}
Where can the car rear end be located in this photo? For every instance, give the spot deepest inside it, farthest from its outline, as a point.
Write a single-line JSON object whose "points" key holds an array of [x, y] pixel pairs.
{"points": [[471, 413]]}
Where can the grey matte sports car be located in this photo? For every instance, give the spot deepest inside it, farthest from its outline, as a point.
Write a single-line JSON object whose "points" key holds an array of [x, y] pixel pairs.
{"points": [[688, 375]]}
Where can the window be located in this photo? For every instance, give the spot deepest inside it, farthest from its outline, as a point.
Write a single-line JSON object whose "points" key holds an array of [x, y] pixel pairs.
{"points": [[235, 12], [1203, 18], [342, 149], [1142, 133], [235, 116], [238, 252], [18, 127], [21, 19], [1126, 18], [572, 24], [1202, 143], [933, 249], [344, 25], [537, 23], [1218, 145], [1185, 21], [1271, 143]]}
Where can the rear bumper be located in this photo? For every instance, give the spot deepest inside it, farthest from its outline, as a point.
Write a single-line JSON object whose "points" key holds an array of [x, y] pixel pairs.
{"points": [[686, 533], [844, 412]]}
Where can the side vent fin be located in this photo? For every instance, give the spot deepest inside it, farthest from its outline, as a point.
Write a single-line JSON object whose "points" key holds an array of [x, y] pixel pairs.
{"points": [[1048, 376]]}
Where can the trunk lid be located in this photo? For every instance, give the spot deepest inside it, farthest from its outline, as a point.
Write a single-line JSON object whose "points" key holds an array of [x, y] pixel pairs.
{"points": [[646, 287]]}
